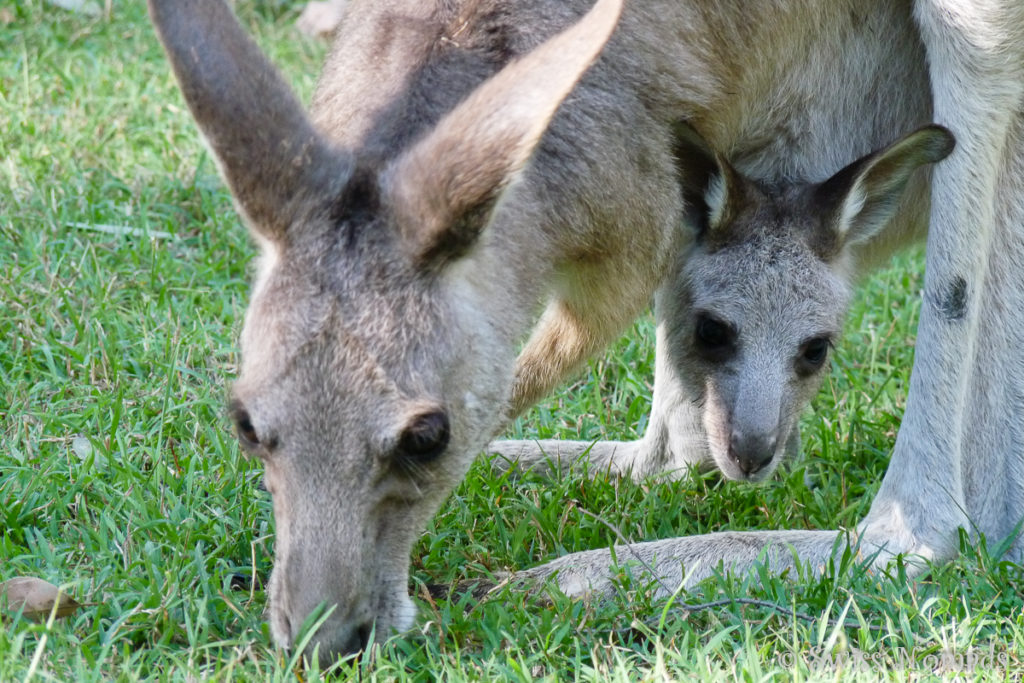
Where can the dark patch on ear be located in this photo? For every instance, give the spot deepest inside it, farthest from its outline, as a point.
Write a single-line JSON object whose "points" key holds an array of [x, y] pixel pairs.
{"points": [[358, 204], [455, 242], [953, 304], [497, 32], [696, 165], [826, 203], [831, 193], [823, 241], [699, 167]]}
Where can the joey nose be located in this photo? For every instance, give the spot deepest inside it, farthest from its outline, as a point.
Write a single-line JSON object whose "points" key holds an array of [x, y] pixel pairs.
{"points": [[752, 452]]}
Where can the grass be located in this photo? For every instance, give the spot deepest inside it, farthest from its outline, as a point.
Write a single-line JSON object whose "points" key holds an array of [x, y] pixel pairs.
{"points": [[120, 479]]}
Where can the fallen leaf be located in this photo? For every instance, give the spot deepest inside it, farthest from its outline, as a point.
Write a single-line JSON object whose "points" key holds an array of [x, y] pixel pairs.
{"points": [[83, 6], [35, 598], [83, 448]]}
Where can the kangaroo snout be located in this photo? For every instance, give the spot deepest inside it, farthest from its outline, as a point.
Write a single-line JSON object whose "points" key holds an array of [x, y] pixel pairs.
{"points": [[336, 640], [348, 629], [752, 451]]}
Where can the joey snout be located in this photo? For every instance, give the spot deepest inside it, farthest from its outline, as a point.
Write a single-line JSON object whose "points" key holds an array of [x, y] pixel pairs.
{"points": [[752, 450], [749, 436]]}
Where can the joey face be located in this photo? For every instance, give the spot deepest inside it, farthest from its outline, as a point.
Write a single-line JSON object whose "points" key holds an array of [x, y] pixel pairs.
{"points": [[755, 339], [761, 295]]}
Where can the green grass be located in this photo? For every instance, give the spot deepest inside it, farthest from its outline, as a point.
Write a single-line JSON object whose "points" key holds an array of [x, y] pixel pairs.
{"points": [[120, 479]]}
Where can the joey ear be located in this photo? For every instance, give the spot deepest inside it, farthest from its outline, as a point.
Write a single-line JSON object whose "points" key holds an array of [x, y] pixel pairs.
{"points": [[445, 188], [858, 201], [269, 153], [709, 184]]}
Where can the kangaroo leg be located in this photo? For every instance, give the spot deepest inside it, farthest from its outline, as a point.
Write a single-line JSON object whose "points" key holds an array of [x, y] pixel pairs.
{"points": [[674, 439], [571, 331], [993, 432], [685, 561], [976, 56], [568, 333]]}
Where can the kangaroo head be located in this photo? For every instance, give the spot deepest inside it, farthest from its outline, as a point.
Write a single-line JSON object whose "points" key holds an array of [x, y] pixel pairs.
{"points": [[377, 350], [765, 287]]}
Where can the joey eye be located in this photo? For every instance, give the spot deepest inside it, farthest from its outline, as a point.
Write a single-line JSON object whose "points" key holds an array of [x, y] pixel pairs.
{"points": [[425, 438], [715, 339], [813, 353]]}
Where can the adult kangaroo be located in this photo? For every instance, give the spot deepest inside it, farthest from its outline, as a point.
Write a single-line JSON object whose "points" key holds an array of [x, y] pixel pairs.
{"points": [[463, 182]]}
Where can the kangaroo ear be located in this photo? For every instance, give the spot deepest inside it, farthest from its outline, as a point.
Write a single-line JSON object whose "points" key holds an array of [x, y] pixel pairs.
{"points": [[710, 186], [858, 201], [445, 188], [269, 153]]}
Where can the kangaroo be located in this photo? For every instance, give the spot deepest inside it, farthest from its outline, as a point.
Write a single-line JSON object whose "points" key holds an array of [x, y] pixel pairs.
{"points": [[748, 314], [475, 173]]}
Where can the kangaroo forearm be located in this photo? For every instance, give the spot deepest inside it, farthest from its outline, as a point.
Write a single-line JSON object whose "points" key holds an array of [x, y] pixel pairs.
{"points": [[557, 455]]}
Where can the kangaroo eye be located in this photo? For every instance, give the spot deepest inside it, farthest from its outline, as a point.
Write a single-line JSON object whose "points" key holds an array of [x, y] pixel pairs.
{"points": [[715, 339], [246, 432], [813, 353], [425, 438], [244, 427]]}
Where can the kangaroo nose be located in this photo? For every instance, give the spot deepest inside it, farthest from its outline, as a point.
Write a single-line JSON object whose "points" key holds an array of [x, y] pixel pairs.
{"points": [[333, 645], [356, 641], [752, 452]]}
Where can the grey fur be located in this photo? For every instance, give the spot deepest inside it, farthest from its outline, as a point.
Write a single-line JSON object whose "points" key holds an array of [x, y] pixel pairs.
{"points": [[429, 209]]}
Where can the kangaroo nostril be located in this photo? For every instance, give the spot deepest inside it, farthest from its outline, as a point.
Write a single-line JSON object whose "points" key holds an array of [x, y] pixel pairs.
{"points": [[285, 635], [751, 457], [357, 641], [760, 464], [365, 634]]}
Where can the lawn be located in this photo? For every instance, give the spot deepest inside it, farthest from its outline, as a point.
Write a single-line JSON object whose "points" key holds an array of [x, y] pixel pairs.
{"points": [[123, 280]]}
